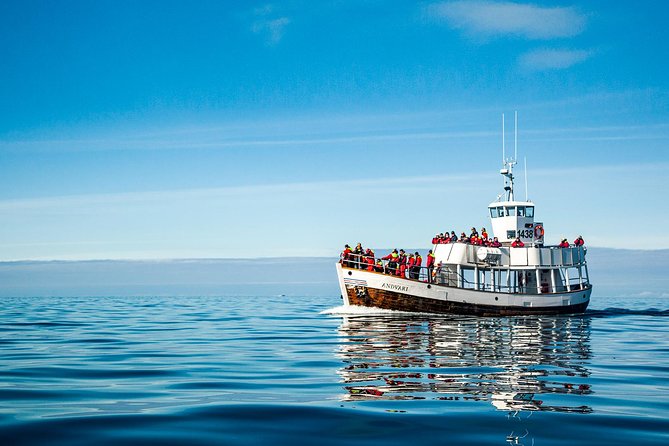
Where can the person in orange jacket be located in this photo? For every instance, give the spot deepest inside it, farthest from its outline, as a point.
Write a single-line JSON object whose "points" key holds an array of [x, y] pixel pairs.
{"points": [[411, 262]]}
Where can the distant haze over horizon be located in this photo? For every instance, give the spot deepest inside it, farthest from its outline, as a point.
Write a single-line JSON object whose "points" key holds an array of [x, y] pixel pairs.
{"points": [[613, 272]]}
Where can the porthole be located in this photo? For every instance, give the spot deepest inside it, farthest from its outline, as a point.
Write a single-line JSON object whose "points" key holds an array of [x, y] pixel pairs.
{"points": [[496, 298], [350, 273], [429, 286]]}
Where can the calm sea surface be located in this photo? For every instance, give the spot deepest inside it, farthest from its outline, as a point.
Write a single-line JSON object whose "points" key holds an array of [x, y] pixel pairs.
{"points": [[296, 370]]}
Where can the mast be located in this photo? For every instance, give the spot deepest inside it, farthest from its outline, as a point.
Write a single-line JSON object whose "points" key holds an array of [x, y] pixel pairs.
{"points": [[507, 170]]}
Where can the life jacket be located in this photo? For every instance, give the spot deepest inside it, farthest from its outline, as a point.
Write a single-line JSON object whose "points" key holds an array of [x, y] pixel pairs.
{"points": [[419, 260], [430, 260]]}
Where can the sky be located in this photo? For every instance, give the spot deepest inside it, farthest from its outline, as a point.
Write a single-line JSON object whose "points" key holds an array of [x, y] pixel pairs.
{"points": [[174, 129]]}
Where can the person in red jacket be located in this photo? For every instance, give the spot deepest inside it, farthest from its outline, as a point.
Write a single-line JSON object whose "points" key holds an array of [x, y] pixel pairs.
{"points": [[368, 260], [484, 234], [517, 243], [411, 262], [346, 255], [564, 243], [417, 264], [370, 263], [392, 259], [401, 271], [429, 263], [579, 241], [495, 243]]}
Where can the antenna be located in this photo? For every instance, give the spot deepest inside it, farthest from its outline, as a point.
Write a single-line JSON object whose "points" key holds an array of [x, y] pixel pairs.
{"points": [[515, 136], [526, 199], [503, 151]]}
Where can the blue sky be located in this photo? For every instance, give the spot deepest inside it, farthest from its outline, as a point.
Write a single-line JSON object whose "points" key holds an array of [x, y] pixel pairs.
{"points": [[251, 129]]}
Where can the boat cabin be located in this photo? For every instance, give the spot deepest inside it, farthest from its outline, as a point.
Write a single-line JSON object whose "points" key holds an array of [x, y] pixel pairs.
{"points": [[511, 219]]}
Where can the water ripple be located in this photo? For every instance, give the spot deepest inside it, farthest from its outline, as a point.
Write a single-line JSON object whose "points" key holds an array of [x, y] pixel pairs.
{"points": [[270, 370]]}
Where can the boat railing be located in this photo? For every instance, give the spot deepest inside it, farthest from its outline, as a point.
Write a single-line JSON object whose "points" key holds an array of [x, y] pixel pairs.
{"points": [[547, 256], [442, 275]]}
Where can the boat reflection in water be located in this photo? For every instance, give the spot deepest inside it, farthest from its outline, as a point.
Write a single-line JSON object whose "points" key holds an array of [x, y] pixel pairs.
{"points": [[517, 364]]}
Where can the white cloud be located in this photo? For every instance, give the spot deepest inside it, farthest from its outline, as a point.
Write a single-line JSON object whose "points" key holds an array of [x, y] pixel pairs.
{"points": [[489, 18], [269, 26], [552, 59]]}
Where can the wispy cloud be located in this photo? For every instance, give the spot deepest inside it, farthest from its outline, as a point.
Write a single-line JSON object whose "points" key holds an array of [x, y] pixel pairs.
{"points": [[269, 25], [552, 59], [487, 18]]}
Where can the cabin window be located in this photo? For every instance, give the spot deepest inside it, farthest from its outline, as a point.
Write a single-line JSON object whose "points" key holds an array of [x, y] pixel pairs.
{"points": [[500, 211], [511, 211], [521, 211], [493, 212], [529, 212]]}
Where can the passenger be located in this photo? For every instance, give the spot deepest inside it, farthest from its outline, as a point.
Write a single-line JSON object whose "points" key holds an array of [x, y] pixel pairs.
{"points": [[370, 263], [346, 256], [369, 259], [392, 259], [475, 239], [410, 264], [379, 266], [564, 243], [463, 238], [436, 238], [517, 243], [357, 256], [417, 266], [484, 234], [429, 263], [454, 238], [579, 241], [402, 260], [495, 243]]}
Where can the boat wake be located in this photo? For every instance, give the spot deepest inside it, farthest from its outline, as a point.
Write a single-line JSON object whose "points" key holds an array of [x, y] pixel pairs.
{"points": [[356, 310]]}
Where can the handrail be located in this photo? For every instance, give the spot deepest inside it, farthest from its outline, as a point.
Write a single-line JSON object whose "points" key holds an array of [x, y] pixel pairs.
{"points": [[439, 275]]}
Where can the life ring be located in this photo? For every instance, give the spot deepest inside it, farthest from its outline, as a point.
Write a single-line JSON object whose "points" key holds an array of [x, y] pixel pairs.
{"points": [[538, 231]]}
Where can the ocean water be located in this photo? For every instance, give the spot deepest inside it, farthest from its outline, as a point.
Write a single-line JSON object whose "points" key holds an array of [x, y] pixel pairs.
{"points": [[305, 370]]}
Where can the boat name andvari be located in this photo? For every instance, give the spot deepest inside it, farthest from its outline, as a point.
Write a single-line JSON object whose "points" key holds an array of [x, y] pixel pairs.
{"points": [[391, 286]]}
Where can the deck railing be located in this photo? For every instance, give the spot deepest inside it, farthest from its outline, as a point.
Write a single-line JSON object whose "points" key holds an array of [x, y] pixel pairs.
{"points": [[442, 275]]}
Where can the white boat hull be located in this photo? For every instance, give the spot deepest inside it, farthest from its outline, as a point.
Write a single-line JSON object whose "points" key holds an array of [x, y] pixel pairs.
{"points": [[373, 289]]}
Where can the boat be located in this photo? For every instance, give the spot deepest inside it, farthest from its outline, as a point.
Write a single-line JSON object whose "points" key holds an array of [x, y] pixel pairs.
{"points": [[479, 280]]}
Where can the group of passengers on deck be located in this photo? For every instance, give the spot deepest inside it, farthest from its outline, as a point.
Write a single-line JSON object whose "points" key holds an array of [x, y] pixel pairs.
{"points": [[474, 238], [399, 263]]}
